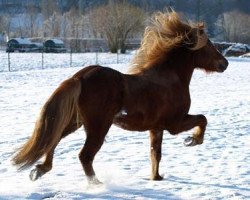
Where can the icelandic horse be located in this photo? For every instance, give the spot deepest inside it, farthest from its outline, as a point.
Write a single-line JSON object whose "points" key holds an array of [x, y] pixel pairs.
{"points": [[154, 96]]}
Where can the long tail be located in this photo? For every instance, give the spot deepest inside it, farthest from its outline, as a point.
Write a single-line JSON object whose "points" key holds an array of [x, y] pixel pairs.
{"points": [[55, 116]]}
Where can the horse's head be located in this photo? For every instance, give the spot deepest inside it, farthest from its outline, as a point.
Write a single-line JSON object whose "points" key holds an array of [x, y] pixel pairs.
{"points": [[206, 56], [168, 35]]}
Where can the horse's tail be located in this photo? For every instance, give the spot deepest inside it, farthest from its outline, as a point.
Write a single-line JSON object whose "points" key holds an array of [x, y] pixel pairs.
{"points": [[55, 116]]}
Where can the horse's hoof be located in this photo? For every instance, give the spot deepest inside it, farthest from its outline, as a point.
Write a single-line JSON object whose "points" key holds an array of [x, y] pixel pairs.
{"points": [[36, 174], [157, 178], [94, 181], [190, 141]]}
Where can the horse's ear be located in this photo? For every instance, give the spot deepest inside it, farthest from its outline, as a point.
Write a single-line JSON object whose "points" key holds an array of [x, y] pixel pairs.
{"points": [[199, 38]]}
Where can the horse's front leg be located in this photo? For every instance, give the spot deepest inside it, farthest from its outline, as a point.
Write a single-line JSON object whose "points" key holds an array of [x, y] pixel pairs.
{"points": [[189, 122], [155, 151]]}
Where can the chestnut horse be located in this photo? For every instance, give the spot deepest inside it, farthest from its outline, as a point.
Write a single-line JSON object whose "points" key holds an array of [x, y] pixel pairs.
{"points": [[154, 96]]}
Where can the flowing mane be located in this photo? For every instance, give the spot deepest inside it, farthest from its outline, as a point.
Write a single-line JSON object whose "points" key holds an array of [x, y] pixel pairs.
{"points": [[165, 32]]}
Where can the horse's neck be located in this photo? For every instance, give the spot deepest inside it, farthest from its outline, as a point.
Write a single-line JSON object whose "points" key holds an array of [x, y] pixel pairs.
{"points": [[171, 71], [185, 74], [178, 63]]}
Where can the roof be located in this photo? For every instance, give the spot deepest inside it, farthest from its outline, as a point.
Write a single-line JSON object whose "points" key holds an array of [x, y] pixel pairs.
{"points": [[56, 41], [22, 40], [37, 44]]}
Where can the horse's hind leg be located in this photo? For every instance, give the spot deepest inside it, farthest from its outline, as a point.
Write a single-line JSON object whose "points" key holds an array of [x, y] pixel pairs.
{"points": [[95, 137], [46, 166], [43, 168]]}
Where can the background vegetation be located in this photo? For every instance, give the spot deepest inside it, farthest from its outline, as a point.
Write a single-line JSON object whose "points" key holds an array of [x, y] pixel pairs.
{"points": [[116, 21]]}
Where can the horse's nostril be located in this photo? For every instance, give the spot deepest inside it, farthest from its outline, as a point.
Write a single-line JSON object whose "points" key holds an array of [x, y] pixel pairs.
{"points": [[223, 65]]}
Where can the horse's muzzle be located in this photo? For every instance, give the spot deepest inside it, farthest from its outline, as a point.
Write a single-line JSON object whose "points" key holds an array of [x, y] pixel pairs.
{"points": [[223, 66]]}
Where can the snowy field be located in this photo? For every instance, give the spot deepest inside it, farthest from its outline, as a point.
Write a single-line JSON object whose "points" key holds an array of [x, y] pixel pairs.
{"points": [[218, 169], [31, 61]]}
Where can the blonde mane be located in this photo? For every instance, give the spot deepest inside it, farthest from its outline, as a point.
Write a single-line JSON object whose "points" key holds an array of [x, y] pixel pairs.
{"points": [[166, 32]]}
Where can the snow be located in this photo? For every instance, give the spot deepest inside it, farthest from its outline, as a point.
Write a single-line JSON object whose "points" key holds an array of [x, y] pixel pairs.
{"points": [[217, 169], [33, 61]]}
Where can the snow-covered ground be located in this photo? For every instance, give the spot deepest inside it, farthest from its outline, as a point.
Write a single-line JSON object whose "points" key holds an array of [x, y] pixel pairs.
{"points": [[31, 61], [218, 169]]}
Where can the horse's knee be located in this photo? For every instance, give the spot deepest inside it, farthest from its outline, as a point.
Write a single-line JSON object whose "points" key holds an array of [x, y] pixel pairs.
{"points": [[202, 121]]}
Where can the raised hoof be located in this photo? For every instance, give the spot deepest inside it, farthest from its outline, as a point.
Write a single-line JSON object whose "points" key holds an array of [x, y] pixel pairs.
{"points": [[191, 141], [157, 178], [36, 174]]}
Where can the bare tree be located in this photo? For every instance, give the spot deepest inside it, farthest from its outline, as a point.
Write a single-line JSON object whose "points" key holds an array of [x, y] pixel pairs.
{"points": [[74, 21], [236, 26], [65, 25], [3, 29], [3, 23], [115, 22], [31, 21], [52, 26], [48, 8], [9, 15]]}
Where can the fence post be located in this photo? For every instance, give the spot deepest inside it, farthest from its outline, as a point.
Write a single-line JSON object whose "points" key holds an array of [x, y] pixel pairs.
{"points": [[42, 60], [117, 56], [96, 57], [9, 61], [70, 57]]}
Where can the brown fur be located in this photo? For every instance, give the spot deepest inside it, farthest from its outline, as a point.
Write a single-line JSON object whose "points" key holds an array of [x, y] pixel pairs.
{"points": [[154, 97]]}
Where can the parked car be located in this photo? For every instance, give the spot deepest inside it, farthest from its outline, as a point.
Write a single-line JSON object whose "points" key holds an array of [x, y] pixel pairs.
{"points": [[237, 49], [36, 47], [23, 45], [54, 46]]}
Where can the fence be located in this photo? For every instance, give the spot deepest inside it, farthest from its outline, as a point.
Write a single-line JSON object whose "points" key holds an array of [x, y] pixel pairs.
{"points": [[29, 61]]}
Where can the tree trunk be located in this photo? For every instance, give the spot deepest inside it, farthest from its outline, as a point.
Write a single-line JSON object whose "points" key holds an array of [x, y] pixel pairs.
{"points": [[123, 47]]}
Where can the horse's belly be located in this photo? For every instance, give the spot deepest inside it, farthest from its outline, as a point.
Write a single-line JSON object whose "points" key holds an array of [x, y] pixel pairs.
{"points": [[138, 121], [133, 122]]}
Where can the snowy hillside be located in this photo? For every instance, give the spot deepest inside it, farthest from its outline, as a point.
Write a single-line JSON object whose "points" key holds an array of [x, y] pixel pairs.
{"points": [[218, 169]]}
